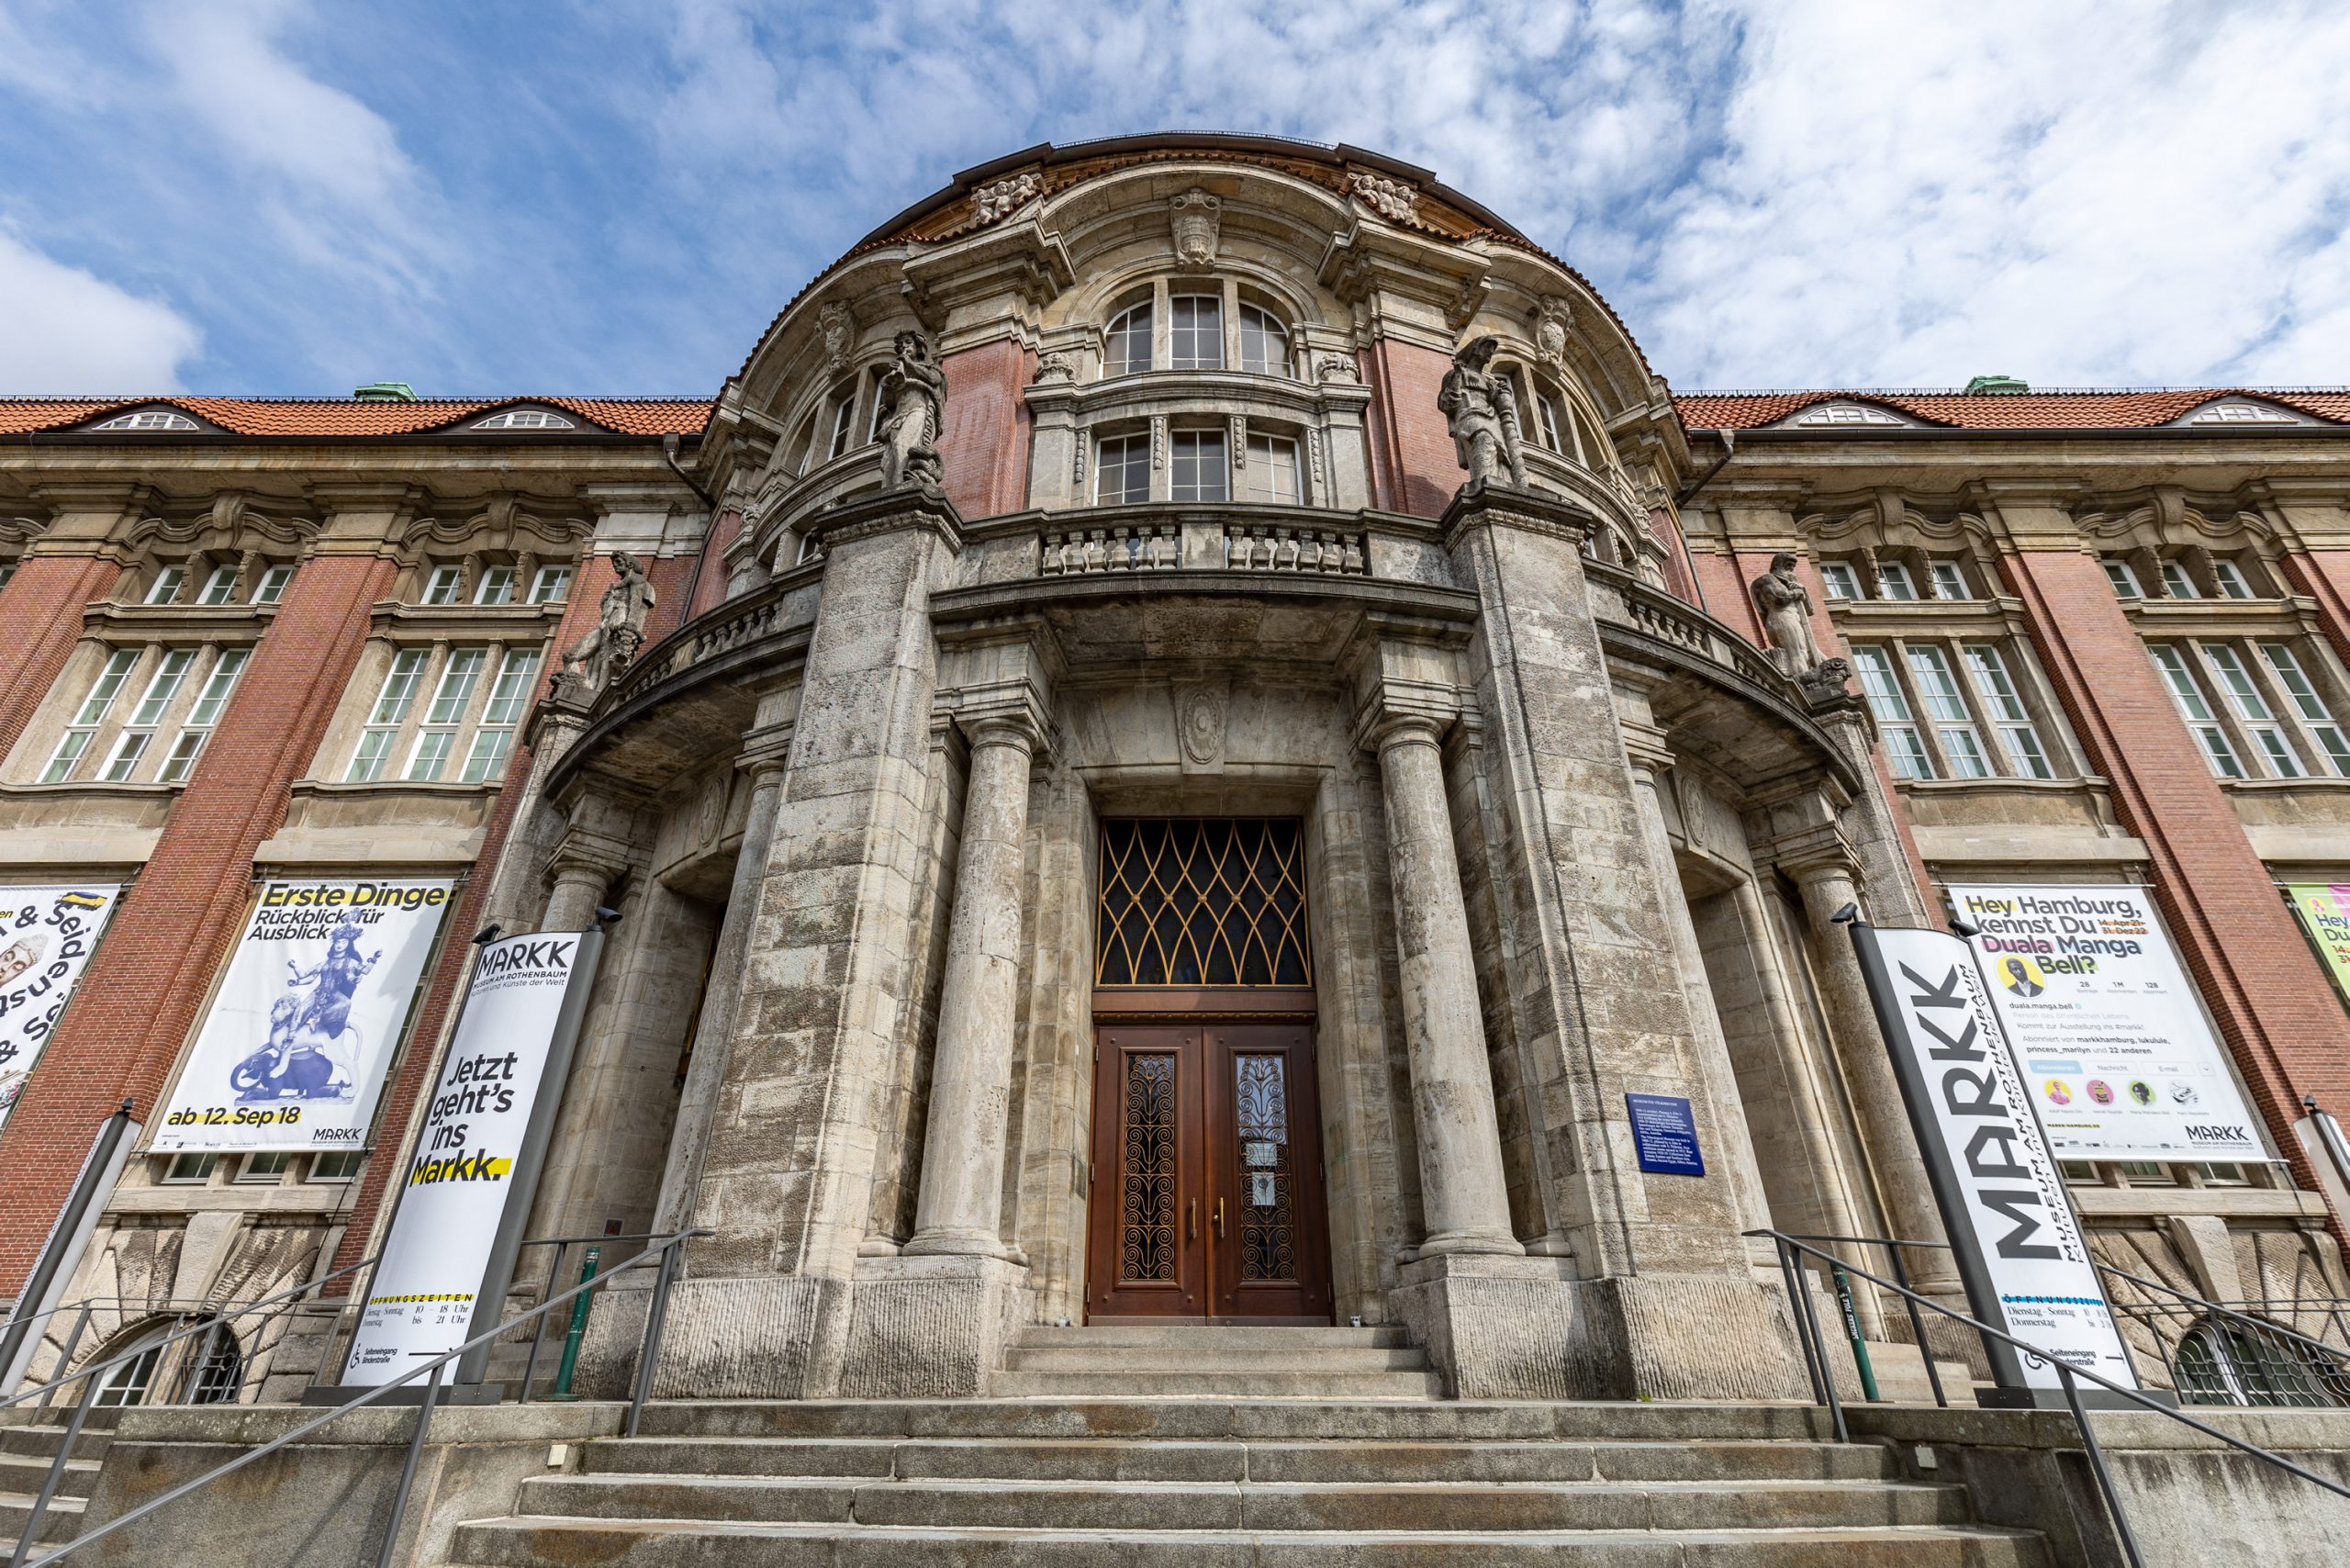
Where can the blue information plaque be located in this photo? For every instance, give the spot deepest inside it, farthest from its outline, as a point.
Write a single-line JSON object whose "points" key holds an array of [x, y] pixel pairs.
{"points": [[1665, 1133]]}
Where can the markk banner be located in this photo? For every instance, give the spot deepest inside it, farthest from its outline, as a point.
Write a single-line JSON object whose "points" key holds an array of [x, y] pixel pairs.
{"points": [[2324, 909], [2105, 1025], [47, 935], [2011, 1225], [293, 1054], [461, 1174]]}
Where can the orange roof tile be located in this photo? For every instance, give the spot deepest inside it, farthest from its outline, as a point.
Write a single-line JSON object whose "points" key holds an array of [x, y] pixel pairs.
{"points": [[352, 416], [2003, 411]]}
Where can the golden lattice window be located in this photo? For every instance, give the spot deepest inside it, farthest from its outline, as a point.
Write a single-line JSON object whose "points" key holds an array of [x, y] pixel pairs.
{"points": [[1202, 900]]}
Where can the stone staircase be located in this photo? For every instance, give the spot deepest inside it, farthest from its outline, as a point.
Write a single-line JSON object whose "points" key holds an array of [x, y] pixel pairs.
{"points": [[29, 1442], [1189, 1483], [1190, 1360]]}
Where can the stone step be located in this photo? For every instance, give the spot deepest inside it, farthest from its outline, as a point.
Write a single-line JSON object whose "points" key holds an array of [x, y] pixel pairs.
{"points": [[533, 1542], [1237, 1337], [26, 1473], [1238, 1419], [57, 1522], [42, 1443], [1113, 1360], [1223, 1383], [1273, 1461], [1253, 1505]]}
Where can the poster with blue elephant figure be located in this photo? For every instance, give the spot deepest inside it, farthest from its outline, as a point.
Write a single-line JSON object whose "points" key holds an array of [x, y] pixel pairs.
{"points": [[293, 1052], [47, 935]]}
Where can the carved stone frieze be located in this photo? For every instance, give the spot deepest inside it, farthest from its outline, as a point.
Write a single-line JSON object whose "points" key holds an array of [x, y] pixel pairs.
{"points": [[1391, 198], [1000, 200]]}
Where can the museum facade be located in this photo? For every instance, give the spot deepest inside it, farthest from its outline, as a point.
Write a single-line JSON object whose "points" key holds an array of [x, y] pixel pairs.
{"points": [[1172, 746]]}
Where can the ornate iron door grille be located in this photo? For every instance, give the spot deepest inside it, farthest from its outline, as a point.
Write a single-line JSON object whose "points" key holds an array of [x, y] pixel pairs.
{"points": [[1203, 901]]}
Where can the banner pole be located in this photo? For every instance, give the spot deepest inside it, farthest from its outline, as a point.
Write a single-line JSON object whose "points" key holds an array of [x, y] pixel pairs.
{"points": [[52, 1269]]}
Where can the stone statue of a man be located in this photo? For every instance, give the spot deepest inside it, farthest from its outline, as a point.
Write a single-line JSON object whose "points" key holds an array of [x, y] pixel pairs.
{"points": [[914, 396], [620, 628], [1785, 605], [1482, 412]]}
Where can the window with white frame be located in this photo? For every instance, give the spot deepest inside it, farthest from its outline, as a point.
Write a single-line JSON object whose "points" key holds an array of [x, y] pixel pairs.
{"points": [[181, 691], [1122, 470], [2124, 580], [1550, 427], [2302, 693], [551, 585], [844, 435], [270, 587], [220, 588], [444, 714], [1264, 341], [1905, 748], [1961, 745], [1843, 582], [153, 420], [1273, 470], [1893, 581], [2231, 578], [442, 587], [1195, 332], [2197, 710], [1198, 468], [166, 585], [2251, 706], [1125, 346], [524, 420], [1950, 580], [2177, 583], [496, 585], [2004, 706]]}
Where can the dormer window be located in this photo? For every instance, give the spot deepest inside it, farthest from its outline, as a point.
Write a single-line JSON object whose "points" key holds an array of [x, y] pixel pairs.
{"points": [[1195, 337], [1850, 415], [220, 588], [442, 587], [1264, 343], [1125, 347], [2240, 413], [497, 586], [151, 419], [166, 585], [525, 420]]}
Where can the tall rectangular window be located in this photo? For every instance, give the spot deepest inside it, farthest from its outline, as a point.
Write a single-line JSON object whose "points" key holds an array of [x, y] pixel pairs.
{"points": [[2192, 706], [1550, 421], [166, 585], [552, 585], [437, 737], [2303, 694], [1842, 580], [2251, 707], [220, 588], [271, 586], [2124, 580], [1196, 323], [138, 729], [1272, 470], [1946, 705], [493, 737], [196, 728], [1122, 471], [1950, 581], [384, 720], [1200, 471], [90, 715], [1905, 748], [1264, 345], [1125, 347], [2177, 583], [844, 422], [2000, 699], [440, 587], [2231, 578], [497, 586], [1893, 581]]}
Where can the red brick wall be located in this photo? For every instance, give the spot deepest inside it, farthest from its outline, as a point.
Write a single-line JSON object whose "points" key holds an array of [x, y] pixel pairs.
{"points": [[984, 444], [2324, 575], [2273, 1008], [423, 1052], [710, 590], [1725, 594], [41, 612], [138, 1001], [1413, 466]]}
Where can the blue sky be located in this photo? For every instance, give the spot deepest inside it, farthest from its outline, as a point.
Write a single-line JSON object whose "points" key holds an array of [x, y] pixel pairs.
{"points": [[295, 197]]}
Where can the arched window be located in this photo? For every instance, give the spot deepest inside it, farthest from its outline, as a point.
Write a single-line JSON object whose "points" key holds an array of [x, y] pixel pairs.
{"points": [[525, 420], [1125, 347], [1264, 341], [153, 420], [1196, 336], [2233, 1361]]}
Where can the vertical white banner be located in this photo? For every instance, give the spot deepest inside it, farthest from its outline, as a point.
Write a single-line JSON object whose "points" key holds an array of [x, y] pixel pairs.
{"points": [[2018, 1245], [293, 1053], [47, 935], [460, 1177]]}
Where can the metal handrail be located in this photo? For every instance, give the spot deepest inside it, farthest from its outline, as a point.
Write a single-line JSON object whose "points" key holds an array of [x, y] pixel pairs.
{"points": [[211, 1321], [647, 1353], [1824, 1384], [2261, 1324]]}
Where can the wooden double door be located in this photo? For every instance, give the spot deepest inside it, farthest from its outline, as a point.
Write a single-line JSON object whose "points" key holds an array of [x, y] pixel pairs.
{"points": [[1207, 1199]]}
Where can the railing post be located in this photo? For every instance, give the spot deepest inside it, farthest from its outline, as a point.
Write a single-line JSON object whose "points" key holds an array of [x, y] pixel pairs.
{"points": [[73, 1343], [407, 1468], [56, 1470], [577, 1331], [2096, 1464], [649, 1351], [1819, 1350], [1851, 1312], [539, 1335], [1791, 1270], [1917, 1324]]}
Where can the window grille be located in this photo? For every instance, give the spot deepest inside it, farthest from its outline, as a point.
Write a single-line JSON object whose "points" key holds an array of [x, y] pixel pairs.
{"points": [[1954, 726], [2231, 578], [524, 420], [153, 419], [90, 715], [2303, 695], [201, 718], [2259, 719], [1893, 581], [2008, 715], [1203, 901], [442, 587], [1950, 581], [497, 586], [437, 737], [494, 736]]}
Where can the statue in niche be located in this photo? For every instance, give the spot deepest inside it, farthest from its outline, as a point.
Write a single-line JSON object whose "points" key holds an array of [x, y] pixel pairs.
{"points": [[1482, 412], [914, 396], [589, 664], [1785, 605]]}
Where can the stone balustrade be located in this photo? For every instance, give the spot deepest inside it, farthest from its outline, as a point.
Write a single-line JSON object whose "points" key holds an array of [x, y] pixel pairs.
{"points": [[1275, 547], [1122, 547]]}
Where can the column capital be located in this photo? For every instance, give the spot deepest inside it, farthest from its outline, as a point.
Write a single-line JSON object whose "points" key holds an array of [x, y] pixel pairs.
{"points": [[1390, 727], [765, 751], [1530, 511]]}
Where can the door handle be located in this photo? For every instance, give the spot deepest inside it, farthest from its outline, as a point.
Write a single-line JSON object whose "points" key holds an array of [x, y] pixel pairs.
{"points": [[1219, 1219], [1195, 1219]]}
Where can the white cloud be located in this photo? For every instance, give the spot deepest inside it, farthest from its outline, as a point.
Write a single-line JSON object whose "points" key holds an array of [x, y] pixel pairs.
{"points": [[71, 332]]}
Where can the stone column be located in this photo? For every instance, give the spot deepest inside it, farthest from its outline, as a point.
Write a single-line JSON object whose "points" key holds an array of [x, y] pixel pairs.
{"points": [[1828, 883], [960, 1209], [580, 883], [1463, 1196], [763, 760], [1734, 1147]]}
